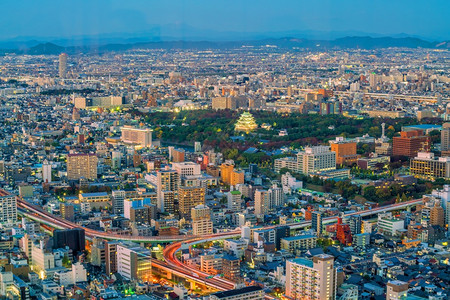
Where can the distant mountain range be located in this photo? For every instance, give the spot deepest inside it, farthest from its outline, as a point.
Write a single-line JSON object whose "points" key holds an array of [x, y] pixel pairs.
{"points": [[352, 42]]}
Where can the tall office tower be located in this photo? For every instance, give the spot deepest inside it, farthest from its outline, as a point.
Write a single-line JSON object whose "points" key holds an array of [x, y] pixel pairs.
{"points": [[316, 222], [345, 151], [445, 139], [138, 136], [276, 196], [444, 194], [355, 223], [8, 209], [409, 143], [118, 197], [82, 165], [437, 215], [234, 200], [188, 198], [62, 65], [72, 238], [316, 159], [396, 290], [111, 257], [313, 280], [201, 220], [46, 172], [167, 181], [262, 202], [134, 262], [225, 173]]}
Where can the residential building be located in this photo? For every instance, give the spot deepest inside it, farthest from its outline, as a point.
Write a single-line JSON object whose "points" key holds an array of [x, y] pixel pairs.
{"points": [[300, 242], [201, 220], [311, 279], [82, 165], [188, 198]]}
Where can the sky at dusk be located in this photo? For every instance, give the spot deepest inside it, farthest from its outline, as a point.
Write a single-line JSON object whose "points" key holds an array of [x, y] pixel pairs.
{"points": [[206, 18]]}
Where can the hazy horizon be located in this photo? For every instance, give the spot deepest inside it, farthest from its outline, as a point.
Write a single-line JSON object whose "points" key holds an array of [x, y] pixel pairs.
{"points": [[222, 19]]}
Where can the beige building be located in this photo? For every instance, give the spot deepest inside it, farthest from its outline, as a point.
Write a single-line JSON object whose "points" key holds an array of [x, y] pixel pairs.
{"points": [[201, 220], [82, 165], [138, 136], [311, 279], [301, 242], [396, 290], [188, 198], [262, 202]]}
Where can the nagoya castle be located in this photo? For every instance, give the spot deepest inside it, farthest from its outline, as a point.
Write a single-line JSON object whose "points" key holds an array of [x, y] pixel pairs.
{"points": [[246, 123]]}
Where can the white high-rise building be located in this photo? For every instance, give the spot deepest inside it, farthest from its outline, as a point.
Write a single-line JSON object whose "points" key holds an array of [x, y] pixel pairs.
{"points": [[134, 262], [46, 172], [276, 196], [187, 168], [311, 279], [316, 159], [444, 194], [8, 209], [234, 200]]}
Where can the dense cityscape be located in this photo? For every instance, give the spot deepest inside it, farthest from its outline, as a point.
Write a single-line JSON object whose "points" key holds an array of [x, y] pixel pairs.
{"points": [[242, 172]]}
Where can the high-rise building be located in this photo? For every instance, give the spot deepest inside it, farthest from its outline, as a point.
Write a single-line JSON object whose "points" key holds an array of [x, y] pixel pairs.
{"points": [[167, 180], [225, 173], [276, 196], [345, 151], [316, 222], [262, 202], [445, 139], [46, 172], [188, 198], [201, 220], [234, 200], [63, 65], [437, 215], [111, 257], [355, 223], [138, 136], [316, 159], [67, 211], [82, 165], [409, 143], [311, 279], [134, 262], [231, 268], [118, 197], [72, 238], [8, 209]]}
